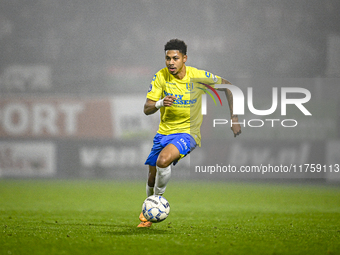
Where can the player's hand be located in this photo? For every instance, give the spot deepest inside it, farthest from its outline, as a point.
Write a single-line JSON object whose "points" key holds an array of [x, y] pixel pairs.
{"points": [[236, 128], [169, 100]]}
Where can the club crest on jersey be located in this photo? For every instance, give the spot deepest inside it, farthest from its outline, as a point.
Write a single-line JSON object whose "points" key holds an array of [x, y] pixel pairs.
{"points": [[190, 86]]}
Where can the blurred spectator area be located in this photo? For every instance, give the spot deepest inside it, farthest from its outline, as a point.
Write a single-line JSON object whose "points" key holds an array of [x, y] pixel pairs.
{"points": [[116, 46]]}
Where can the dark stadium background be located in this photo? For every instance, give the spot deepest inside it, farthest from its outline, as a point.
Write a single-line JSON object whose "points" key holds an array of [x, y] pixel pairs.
{"points": [[74, 74]]}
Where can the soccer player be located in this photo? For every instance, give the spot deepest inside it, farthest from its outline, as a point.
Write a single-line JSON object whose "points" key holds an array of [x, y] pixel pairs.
{"points": [[174, 92]]}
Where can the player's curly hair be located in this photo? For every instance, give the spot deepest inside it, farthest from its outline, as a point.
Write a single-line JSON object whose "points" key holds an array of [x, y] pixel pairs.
{"points": [[176, 44]]}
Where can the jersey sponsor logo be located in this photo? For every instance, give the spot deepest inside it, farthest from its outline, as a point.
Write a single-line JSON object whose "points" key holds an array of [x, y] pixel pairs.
{"points": [[180, 100]]}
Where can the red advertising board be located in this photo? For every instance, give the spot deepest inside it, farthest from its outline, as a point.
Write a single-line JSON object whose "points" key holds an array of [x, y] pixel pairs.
{"points": [[61, 117]]}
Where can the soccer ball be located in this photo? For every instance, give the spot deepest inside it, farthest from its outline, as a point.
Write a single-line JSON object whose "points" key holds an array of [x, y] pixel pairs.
{"points": [[155, 208]]}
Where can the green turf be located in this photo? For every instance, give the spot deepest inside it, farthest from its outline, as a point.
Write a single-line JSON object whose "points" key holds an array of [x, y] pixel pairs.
{"points": [[100, 217]]}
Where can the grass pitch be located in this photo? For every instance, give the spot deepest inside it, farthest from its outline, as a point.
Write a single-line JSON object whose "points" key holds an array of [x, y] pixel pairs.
{"points": [[100, 217]]}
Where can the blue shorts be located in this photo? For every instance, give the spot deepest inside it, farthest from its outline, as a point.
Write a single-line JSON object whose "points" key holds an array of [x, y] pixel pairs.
{"points": [[185, 143]]}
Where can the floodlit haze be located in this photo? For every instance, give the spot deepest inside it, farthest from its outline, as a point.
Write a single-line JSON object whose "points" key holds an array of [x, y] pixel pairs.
{"points": [[74, 75]]}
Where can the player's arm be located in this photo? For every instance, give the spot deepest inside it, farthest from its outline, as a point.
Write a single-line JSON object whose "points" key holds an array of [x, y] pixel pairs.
{"points": [[152, 106], [236, 128]]}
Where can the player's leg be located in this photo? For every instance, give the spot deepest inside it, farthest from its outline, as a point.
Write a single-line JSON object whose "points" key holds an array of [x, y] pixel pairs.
{"points": [[159, 176], [151, 161], [165, 151], [151, 181], [177, 148], [149, 191], [169, 154]]}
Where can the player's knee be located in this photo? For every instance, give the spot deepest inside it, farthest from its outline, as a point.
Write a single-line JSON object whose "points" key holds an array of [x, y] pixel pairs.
{"points": [[163, 161]]}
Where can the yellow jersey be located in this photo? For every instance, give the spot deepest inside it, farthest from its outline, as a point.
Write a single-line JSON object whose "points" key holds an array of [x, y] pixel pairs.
{"points": [[184, 116]]}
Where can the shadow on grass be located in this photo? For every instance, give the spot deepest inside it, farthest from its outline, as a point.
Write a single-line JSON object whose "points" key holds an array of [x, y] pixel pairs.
{"points": [[137, 231], [118, 229]]}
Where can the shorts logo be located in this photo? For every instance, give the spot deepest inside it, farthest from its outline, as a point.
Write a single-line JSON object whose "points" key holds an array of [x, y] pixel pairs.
{"points": [[184, 143]]}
